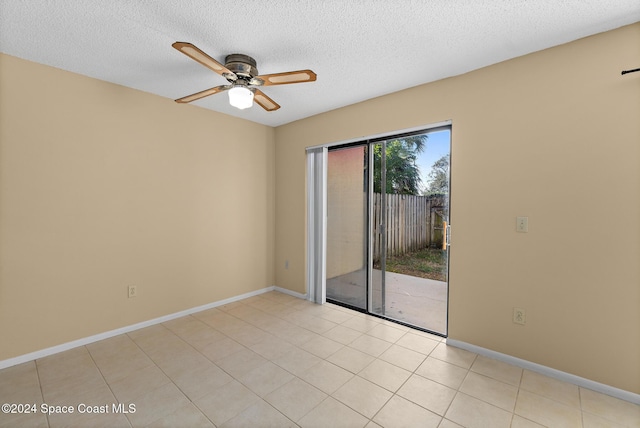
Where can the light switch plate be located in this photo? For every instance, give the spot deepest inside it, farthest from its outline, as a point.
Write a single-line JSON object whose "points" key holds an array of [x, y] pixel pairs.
{"points": [[522, 224]]}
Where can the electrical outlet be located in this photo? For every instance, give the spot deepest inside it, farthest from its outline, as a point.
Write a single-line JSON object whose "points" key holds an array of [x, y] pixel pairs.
{"points": [[286, 264], [133, 291], [519, 316]]}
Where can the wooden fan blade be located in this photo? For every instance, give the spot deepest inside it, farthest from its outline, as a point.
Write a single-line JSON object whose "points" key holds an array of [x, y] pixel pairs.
{"points": [[203, 94], [265, 102], [196, 54], [288, 77]]}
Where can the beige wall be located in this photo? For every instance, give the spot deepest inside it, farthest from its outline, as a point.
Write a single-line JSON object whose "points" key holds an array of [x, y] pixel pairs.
{"points": [[102, 186], [554, 136]]}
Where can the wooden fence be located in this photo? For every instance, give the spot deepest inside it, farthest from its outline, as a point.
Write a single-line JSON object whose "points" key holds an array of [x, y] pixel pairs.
{"points": [[413, 223]]}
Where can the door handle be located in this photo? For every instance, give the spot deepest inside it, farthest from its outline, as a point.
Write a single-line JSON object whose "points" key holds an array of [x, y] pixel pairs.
{"points": [[447, 235]]}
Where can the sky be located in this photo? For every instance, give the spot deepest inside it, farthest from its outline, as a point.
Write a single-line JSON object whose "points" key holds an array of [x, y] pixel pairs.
{"points": [[438, 145]]}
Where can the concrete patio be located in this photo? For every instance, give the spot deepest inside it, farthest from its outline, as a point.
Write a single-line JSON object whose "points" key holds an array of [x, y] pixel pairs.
{"points": [[412, 300]]}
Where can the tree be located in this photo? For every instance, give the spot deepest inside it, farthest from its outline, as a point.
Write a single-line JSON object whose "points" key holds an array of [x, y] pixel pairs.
{"points": [[402, 172], [439, 177]]}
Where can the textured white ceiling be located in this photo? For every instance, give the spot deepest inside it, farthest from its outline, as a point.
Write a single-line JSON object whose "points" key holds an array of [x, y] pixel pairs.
{"points": [[359, 49]]}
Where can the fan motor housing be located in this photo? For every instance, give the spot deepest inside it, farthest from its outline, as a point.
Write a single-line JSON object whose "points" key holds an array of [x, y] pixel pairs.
{"points": [[242, 65]]}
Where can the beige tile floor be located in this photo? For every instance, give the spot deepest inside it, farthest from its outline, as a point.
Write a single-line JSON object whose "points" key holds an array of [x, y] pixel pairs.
{"points": [[277, 361]]}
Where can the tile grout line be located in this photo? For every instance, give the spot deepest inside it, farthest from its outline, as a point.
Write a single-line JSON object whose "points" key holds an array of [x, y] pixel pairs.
{"points": [[325, 359], [515, 404], [105, 380], [293, 374], [167, 375], [35, 363], [225, 371]]}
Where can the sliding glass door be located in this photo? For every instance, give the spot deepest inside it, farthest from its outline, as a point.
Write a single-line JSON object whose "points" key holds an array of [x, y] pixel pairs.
{"points": [[386, 227], [346, 251]]}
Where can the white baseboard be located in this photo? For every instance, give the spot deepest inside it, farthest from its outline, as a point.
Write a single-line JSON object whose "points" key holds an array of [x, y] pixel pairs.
{"points": [[548, 371], [291, 293], [101, 336]]}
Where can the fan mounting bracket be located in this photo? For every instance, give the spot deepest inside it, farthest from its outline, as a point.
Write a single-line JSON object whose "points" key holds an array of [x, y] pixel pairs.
{"points": [[242, 65]]}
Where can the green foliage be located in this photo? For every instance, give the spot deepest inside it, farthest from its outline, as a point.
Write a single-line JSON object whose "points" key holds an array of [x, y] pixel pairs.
{"points": [[403, 174], [439, 177], [427, 263]]}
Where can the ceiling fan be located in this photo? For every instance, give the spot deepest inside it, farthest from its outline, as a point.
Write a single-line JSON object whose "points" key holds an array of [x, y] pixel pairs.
{"points": [[242, 74]]}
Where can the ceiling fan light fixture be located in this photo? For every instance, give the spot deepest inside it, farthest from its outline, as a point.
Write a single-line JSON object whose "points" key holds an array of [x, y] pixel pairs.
{"points": [[242, 74], [241, 97]]}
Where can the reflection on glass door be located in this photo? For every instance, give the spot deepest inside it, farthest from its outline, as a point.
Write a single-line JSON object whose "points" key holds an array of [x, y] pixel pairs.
{"points": [[346, 266], [387, 222], [409, 217]]}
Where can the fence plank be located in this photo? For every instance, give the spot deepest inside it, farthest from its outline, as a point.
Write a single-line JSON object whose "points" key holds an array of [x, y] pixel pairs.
{"points": [[411, 223]]}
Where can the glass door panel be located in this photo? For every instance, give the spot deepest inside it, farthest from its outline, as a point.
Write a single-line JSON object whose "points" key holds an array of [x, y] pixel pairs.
{"points": [[346, 248], [409, 217]]}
